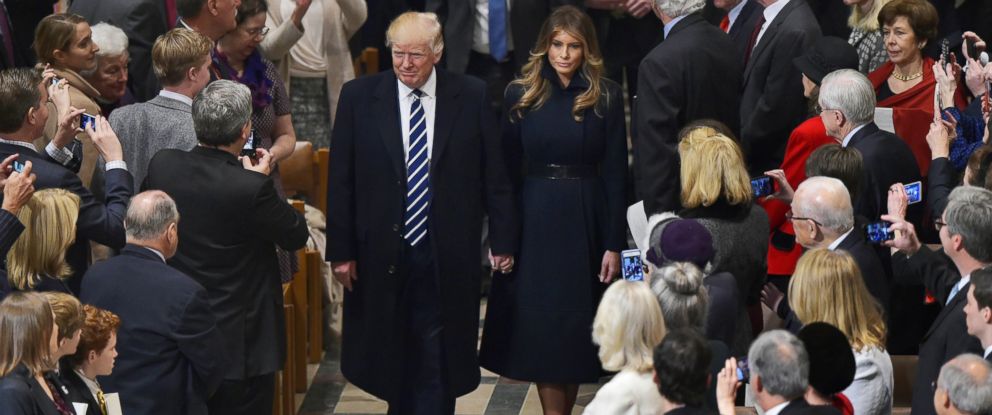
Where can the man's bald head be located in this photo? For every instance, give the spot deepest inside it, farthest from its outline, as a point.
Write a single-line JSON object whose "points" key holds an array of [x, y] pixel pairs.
{"points": [[149, 215], [827, 201]]}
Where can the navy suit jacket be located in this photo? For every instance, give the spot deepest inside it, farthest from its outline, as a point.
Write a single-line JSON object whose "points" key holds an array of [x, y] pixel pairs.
{"points": [[948, 335], [232, 220], [740, 31], [171, 355], [21, 394], [887, 160], [99, 222], [869, 264]]}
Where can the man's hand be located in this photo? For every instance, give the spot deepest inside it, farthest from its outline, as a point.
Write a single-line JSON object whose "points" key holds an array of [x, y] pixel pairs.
{"points": [[105, 140], [771, 296], [301, 10], [66, 128], [610, 267], [263, 165], [345, 273], [905, 239], [785, 192], [638, 8], [502, 263], [726, 387], [17, 188]]}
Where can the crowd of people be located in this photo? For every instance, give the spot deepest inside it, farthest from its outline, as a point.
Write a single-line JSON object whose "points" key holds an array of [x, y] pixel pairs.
{"points": [[145, 229]]}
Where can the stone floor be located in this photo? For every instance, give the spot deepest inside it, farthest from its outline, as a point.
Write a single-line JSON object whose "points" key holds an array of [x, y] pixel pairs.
{"points": [[330, 393]]}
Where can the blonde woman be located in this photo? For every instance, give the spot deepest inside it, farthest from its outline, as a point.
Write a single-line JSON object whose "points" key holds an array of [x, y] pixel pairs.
{"points": [[828, 287], [627, 327], [563, 127], [65, 43], [866, 34], [30, 339], [36, 262], [716, 191]]}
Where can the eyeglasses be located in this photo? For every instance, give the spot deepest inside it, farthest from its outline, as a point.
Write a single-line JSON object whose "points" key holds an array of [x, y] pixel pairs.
{"points": [[939, 223], [790, 216], [258, 33]]}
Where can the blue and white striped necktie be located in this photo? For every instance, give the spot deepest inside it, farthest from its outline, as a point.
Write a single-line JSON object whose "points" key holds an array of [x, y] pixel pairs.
{"points": [[418, 184]]}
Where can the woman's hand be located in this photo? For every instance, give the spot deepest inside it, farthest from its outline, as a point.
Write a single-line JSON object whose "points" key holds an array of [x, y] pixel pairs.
{"points": [[898, 201], [785, 191], [301, 10], [771, 296], [610, 267], [726, 388], [946, 83], [938, 139], [66, 128]]}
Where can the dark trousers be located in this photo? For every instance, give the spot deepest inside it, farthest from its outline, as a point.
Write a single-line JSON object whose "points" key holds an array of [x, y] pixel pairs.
{"points": [[497, 76], [251, 396], [424, 388]]}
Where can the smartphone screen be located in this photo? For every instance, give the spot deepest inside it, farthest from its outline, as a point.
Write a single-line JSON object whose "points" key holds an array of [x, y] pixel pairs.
{"points": [[743, 370], [249, 148], [86, 119], [879, 232], [761, 186], [18, 166], [915, 192], [631, 265]]}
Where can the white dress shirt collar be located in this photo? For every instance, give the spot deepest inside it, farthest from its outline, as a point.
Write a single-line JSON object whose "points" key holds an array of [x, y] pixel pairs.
{"points": [[160, 255], [847, 138], [429, 88], [733, 13], [777, 408], [671, 24], [19, 143], [91, 384], [833, 245], [770, 13], [176, 96], [987, 351]]}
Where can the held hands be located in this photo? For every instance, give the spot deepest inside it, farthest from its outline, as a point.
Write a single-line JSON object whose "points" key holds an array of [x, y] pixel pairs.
{"points": [[105, 140], [17, 186], [946, 77], [726, 387], [262, 163], [610, 267], [502, 263], [973, 77], [301, 10], [345, 273], [939, 138], [638, 8], [785, 191]]}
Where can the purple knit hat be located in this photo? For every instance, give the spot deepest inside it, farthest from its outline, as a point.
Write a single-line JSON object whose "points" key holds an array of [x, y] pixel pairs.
{"points": [[680, 240]]}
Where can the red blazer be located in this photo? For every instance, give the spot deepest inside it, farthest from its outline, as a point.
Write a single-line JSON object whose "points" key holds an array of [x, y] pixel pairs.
{"points": [[808, 136]]}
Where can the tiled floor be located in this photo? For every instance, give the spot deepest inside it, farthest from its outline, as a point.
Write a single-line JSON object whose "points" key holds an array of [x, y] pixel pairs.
{"points": [[330, 393]]}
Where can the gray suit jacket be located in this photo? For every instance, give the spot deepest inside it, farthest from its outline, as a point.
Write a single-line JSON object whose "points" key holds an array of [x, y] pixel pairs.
{"points": [[148, 127]]}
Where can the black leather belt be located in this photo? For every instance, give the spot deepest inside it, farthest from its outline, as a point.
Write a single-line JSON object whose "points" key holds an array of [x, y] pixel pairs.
{"points": [[562, 171]]}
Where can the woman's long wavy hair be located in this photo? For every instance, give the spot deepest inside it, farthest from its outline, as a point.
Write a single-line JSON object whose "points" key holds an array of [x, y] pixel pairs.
{"points": [[537, 89]]}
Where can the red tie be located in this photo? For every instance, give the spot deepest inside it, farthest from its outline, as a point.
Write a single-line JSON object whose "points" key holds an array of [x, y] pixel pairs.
{"points": [[725, 24], [753, 40]]}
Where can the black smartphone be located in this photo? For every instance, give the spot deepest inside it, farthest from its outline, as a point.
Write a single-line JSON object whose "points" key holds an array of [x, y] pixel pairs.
{"points": [[631, 265], [743, 370], [249, 149], [879, 232], [761, 186], [86, 119]]}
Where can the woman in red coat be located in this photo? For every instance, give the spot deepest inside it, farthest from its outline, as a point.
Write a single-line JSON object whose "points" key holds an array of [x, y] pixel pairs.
{"points": [[827, 55]]}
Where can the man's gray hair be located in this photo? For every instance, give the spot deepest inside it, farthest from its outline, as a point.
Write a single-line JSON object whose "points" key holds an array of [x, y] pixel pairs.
{"points": [[849, 92], [111, 40], [780, 359], [220, 112], [827, 201], [969, 214], [681, 294], [149, 215], [679, 8], [969, 390]]}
